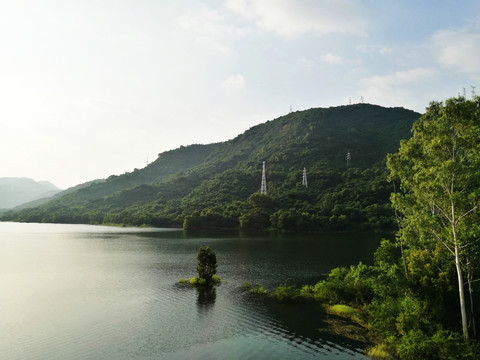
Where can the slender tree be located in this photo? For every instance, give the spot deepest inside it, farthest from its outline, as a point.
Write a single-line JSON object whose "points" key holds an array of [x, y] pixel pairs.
{"points": [[439, 171]]}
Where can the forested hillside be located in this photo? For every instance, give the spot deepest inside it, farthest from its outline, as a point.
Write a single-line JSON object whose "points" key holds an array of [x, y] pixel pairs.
{"points": [[217, 185]]}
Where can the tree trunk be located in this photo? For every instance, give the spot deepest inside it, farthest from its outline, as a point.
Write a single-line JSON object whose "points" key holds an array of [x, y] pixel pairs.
{"points": [[472, 308], [461, 290]]}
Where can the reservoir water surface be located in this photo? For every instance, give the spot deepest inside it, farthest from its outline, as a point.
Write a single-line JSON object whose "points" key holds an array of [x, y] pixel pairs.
{"points": [[95, 292]]}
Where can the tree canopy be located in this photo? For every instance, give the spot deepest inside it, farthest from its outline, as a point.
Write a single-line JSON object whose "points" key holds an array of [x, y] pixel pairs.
{"points": [[438, 202], [206, 264]]}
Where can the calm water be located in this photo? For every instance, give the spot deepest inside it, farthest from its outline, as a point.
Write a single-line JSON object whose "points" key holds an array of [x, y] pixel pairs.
{"points": [[91, 292]]}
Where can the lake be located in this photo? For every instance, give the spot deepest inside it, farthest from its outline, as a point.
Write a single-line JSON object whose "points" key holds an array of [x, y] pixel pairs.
{"points": [[96, 292]]}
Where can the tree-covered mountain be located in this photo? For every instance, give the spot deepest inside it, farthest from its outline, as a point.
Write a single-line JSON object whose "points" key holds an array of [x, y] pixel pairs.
{"points": [[16, 191], [217, 185]]}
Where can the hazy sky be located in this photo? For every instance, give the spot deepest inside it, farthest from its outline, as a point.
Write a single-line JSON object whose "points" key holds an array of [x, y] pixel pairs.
{"points": [[94, 88]]}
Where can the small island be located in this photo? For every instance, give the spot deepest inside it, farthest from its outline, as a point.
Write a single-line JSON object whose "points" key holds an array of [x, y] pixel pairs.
{"points": [[206, 270]]}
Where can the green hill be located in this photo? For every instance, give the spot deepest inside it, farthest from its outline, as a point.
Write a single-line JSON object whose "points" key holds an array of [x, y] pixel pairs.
{"points": [[217, 185]]}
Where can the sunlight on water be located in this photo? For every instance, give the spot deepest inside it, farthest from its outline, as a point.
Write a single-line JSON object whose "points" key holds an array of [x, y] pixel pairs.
{"points": [[85, 292]]}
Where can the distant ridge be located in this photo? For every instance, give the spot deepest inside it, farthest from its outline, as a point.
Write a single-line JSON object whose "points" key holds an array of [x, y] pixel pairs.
{"points": [[212, 185], [16, 191]]}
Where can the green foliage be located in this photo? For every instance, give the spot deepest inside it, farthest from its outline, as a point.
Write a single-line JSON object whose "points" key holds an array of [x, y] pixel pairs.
{"points": [[216, 186], [346, 311], [247, 286], [216, 280], [258, 289], [285, 293], [379, 352], [442, 345], [354, 285], [282, 293], [209, 219], [439, 174], [197, 281], [206, 264]]}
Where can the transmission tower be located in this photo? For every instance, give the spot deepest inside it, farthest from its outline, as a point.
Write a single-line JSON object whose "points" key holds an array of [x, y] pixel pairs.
{"points": [[304, 180], [263, 188], [349, 159]]}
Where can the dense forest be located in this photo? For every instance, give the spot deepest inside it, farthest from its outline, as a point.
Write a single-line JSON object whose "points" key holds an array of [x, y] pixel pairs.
{"points": [[217, 185]]}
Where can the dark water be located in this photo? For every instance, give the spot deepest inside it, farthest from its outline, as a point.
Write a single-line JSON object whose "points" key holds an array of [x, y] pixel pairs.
{"points": [[86, 292]]}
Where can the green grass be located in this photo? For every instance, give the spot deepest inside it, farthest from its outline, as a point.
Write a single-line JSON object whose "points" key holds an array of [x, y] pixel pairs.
{"points": [[345, 311], [378, 352]]}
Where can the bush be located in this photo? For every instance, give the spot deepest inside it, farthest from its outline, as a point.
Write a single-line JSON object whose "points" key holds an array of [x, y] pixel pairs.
{"points": [[285, 293], [196, 282], [379, 352], [442, 345], [259, 289], [354, 285], [306, 291]]}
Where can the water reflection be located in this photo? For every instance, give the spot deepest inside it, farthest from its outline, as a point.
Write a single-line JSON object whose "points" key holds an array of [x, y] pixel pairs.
{"points": [[206, 297]]}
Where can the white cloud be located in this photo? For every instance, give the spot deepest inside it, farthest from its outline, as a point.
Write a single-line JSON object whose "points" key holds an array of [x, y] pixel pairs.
{"points": [[399, 78], [459, 49], [401, 88], [212, 43], [330, 58], [234, 82], [377, 49], [305, 63], [212, 28], [296, 17]]}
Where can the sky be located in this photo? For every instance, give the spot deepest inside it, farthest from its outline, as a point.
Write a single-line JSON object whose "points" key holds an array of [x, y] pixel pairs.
{"points": [[91, 88]]}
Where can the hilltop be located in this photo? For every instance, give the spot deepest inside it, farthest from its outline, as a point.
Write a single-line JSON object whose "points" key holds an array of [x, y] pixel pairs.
{"points": [[217, 185]]}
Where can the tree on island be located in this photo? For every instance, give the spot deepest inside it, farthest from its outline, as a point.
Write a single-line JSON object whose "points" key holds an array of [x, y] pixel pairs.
{"points": [[439, 172], [207, 264]]}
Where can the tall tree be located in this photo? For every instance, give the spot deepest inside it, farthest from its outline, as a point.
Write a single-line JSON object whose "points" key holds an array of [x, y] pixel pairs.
{"points": [[439, 171]]}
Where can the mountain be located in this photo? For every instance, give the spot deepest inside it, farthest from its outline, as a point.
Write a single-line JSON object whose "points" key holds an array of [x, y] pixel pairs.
{"points": [[217, 185], [16, 191]]}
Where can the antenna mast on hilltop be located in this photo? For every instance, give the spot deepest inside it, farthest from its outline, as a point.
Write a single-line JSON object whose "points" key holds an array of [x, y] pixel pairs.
{"points": [[263, 188], [304, 180]]}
